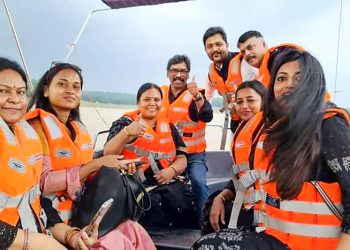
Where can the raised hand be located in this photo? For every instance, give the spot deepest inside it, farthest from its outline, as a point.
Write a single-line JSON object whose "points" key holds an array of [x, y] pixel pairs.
{"points": [[192, 87], [136, 128]]}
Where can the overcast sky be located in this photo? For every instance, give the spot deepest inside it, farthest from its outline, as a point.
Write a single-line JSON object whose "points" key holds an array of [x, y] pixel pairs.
{"points": [[121, 49]]}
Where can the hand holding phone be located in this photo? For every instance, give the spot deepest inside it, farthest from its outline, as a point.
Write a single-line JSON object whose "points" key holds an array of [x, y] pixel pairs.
{"points": [[98, 216]]}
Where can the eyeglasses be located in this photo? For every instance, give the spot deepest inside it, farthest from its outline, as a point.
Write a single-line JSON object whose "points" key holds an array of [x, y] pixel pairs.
{"points": [[177, 71], [64, 65], [59, 65]]}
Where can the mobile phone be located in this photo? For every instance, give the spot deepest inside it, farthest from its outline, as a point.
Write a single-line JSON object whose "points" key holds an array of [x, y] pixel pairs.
{"points": [[99, 215]]}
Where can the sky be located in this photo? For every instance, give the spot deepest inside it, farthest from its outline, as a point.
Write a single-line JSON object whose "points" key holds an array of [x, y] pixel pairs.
{"points": [[121, 49]]}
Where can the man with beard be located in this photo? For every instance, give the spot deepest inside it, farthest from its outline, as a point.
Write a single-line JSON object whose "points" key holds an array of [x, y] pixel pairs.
{"points": [[227, 70], [186, 107]]}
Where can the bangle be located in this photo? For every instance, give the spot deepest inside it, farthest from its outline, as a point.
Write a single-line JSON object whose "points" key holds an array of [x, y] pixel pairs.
{"points": [[69, 233], [176, 173], [222, 197], [26, 239], [126, 131]]}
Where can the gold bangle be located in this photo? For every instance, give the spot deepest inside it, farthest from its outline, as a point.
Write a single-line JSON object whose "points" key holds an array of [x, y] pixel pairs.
{"points": [[68, 235], [126, 131], [176, 173], [222, 197]]}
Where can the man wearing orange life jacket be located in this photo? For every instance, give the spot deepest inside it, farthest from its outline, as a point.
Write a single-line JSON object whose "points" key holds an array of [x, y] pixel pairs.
{"points": [[227, 70], [252, 47], [254, 50], [186, 107]]}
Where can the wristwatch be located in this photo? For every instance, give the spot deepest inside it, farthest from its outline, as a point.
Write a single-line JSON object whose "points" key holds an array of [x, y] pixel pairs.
{"points": [[198, 97]]}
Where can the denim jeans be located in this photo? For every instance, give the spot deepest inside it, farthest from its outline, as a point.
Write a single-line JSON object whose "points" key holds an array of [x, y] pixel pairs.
{"points": [[197, 172]]}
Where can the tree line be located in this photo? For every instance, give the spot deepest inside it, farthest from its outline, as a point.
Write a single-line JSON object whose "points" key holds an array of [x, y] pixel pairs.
{"points": [[123, 98]]}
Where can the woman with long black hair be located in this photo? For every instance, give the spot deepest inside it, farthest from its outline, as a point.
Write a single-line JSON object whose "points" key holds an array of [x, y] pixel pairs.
{"points": [[303, 145]]}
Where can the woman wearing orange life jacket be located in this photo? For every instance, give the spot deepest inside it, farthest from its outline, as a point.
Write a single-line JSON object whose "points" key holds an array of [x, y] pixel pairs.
{"points": [[145, 134], [301, 143], [22, 224], [249, 99], [68, 150]]}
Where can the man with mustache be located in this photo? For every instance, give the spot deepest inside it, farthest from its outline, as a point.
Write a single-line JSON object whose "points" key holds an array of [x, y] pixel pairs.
{"points": [[227, 70], [253, 49], [186, 107]]}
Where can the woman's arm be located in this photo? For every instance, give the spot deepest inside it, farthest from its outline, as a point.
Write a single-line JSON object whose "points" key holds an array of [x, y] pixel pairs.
{"points": [[335, 151], [117, 142], [35, 241]]}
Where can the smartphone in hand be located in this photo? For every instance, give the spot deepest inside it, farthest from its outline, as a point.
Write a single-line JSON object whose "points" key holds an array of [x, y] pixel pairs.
{"points": [[99, 216]]}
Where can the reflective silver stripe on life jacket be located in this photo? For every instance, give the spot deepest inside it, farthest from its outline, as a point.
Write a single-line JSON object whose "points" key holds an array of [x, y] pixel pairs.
{"points": [[255, 196], [180, 125], [307, 207], [143, 152], [28, 130], [237, 168], [198, 133], [237, 203], [23, 203], [308, 230], [194, 142], [10, 137], [251, 176], [53, 127]]}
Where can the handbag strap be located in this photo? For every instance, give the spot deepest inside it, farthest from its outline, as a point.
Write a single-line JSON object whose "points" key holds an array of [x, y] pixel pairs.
{"points": [[328, 201], [145, 196]]}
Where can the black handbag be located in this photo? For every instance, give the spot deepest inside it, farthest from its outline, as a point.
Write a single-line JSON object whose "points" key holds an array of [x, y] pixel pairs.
{"points": [[173, 206], [130, 199]]}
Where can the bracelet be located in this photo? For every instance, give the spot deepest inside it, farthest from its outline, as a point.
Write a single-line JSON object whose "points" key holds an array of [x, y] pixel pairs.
{"points": [[222, 197], [26, 239], [176, 173], [69, 233], [126, 131]]}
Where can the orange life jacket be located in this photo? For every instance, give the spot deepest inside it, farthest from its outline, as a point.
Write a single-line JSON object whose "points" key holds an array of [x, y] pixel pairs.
{"points": [[64, 153], [155, 144], [264, 74], [21, 163], [234, 78], [240, 148], [304, 222], [192, 133]]}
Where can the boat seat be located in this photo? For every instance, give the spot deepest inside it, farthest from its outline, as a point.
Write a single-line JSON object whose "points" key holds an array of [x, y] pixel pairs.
{"points": [[175, 239], [219, 165]]}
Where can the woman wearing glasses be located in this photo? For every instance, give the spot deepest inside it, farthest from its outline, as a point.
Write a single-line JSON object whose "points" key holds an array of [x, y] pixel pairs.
{"points": [[22, 225], [68, 149]]}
